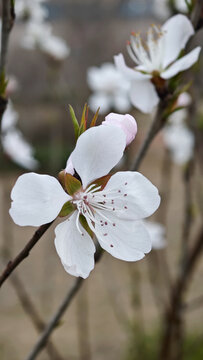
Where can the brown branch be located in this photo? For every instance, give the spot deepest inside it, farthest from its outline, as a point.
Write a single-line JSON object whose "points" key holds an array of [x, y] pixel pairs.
{"points": [[156, 125], [24, 252], [33, 314], [172, 313], [8, 17], [59, 313]]}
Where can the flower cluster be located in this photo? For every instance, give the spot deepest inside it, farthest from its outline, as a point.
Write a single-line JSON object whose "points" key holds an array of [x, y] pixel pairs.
{"points": [[109, 206], [38, 33], [110, 89], [13, 142], [157, 60]]}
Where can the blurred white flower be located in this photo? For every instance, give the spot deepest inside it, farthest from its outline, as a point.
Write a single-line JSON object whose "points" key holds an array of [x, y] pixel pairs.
{"points": [[182, 6], [32, 10], [178, 138], [157, 234], [184, 100], [110, 87], [161, 9], [39, 36], [12, 85], [156, 60], [9, 119], [15, 146], [55, 47]]}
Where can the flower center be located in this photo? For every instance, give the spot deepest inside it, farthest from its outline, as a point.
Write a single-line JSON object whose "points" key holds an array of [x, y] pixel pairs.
{"points": [[147, 54]]}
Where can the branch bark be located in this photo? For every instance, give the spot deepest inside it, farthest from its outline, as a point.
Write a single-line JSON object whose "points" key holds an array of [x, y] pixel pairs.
{"points": [[40, 344], [172, 313]]}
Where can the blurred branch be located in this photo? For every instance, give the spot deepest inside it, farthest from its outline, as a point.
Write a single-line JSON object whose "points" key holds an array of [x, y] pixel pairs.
{"points": [[24, 252], [172, 313], [33, 314], [8, 17], [187, 221], [157, 124], [54, 321], [197, 15]]}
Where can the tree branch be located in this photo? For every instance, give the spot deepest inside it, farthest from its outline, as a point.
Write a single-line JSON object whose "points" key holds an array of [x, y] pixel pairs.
{"points": [[40, 344], [24, 252], [156, 125], [172, 313], [8, 17]]}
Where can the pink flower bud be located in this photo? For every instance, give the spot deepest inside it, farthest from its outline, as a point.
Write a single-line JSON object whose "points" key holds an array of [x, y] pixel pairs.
{"points": [[184, 99], [69, 167], [126, 122]]}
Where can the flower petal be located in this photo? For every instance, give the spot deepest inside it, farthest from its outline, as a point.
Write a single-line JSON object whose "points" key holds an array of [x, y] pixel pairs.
{"points": [[131, 74], [37, 199], [123, 239], [76, 250], [97, 151], [143, 95], [132, 195], [182, 64], [100, 100], [177, 31]]}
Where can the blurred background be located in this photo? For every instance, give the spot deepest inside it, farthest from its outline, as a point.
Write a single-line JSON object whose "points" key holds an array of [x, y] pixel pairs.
{"points": [[118, 313]]}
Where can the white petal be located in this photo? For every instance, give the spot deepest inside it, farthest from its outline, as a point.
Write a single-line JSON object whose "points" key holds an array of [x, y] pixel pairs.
{"points": [[157, 234], [177, 31], [37, 199], [131, 74], [143, 95], [76, 250], [134, 196], [97, 151], [182, 64], [125, 240], [100, 100]]}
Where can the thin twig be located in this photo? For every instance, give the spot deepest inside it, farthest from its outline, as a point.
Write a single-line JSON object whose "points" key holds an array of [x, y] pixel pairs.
{"points": [[59, 313], [157, 123], [33, 314], [8, 17], [172, 313], [24, 252], [187, 221]]}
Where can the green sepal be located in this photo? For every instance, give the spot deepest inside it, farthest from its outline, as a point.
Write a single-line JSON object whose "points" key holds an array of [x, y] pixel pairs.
{"points": [[85, 225], [95, 117], [72, 184], [102, 181], [67, 209], [74, 121]]}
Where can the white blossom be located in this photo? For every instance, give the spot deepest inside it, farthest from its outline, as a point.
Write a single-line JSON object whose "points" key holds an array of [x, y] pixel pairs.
{"points": [[114, 213], [126, 122], [157, 234], [33, 10], [157, 59], [18, 149], [178, 138], [39, 36], [10, 118], [110, 89]]}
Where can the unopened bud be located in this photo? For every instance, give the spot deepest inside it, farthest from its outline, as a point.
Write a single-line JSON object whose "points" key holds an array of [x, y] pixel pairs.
{"points": [[126, 122]]}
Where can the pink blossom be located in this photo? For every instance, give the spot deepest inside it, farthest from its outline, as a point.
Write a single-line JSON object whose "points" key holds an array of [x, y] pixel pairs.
{"points": [[126, 122]]}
